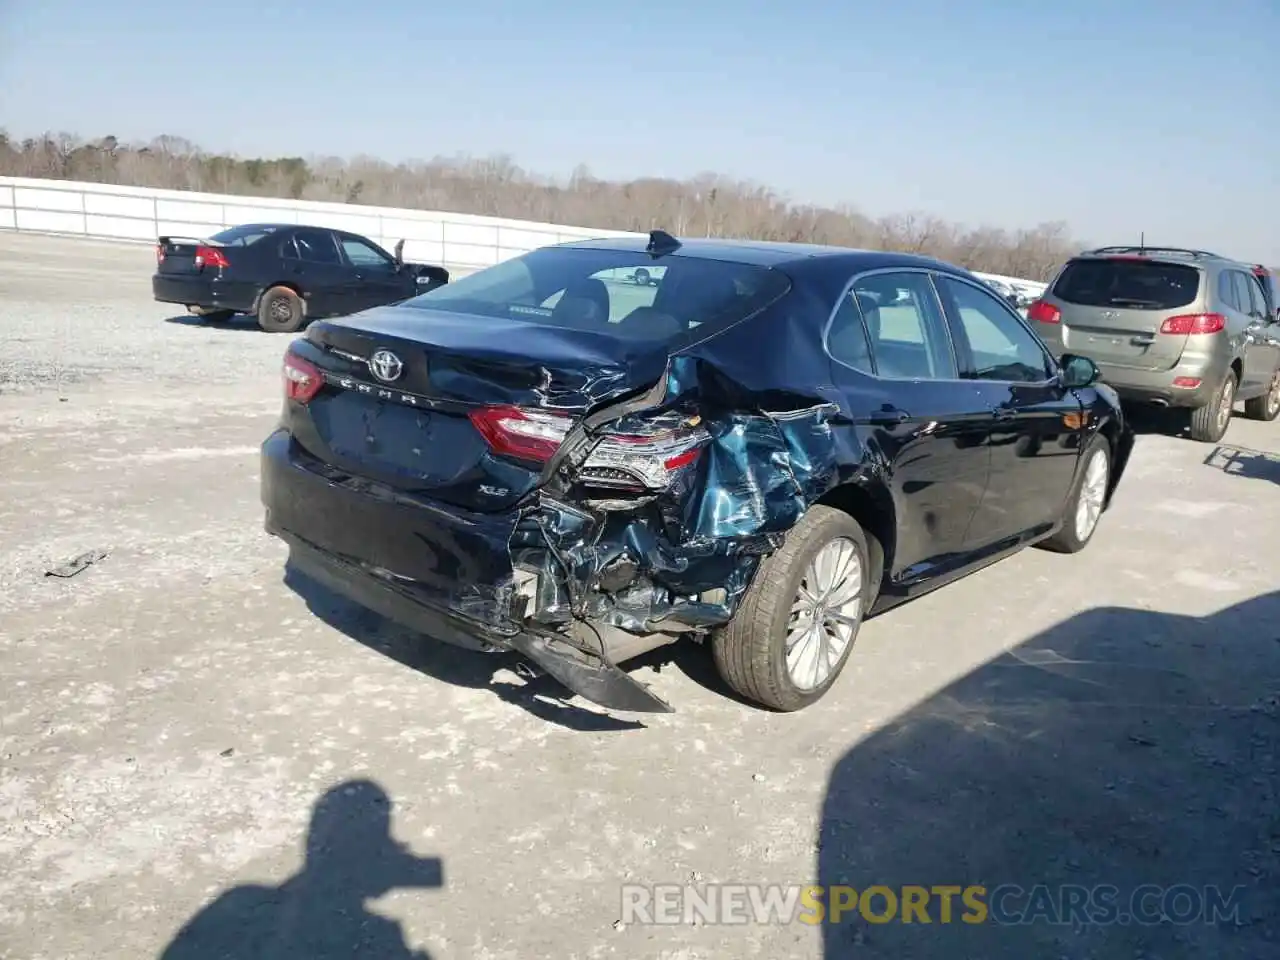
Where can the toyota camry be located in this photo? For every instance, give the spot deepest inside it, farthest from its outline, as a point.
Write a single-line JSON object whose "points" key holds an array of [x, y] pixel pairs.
{"points": [[756, 450]]}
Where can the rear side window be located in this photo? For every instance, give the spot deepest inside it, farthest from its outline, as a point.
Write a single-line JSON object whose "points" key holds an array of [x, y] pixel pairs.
{"points": [[1248, 296], [595, 290], [1128, 284]]}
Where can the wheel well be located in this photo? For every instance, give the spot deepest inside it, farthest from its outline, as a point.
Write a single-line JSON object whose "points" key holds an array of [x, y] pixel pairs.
{"points": [[1238, 367], [873, 509]]}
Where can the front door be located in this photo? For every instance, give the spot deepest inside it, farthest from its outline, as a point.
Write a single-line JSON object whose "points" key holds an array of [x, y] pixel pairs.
{"points": [[1037, 425], [376, 278]]}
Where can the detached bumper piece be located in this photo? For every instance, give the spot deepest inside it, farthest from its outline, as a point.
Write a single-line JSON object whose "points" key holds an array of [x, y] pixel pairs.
{"points": [[585, 673]]}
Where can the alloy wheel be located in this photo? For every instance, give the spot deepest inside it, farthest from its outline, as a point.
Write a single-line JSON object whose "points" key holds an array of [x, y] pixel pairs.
{"points": [[825, 615]]}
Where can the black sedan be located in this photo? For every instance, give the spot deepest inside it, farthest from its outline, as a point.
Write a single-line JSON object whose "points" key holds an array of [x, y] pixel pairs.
{"points": [[772, 443], [285, 274]]}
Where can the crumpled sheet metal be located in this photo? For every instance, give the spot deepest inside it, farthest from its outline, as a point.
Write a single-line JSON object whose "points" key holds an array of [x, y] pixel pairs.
{"points": [[685, 557]]}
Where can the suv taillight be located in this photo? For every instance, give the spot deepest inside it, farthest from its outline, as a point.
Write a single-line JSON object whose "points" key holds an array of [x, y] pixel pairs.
{"points": [[1189, 324], [159, 253], [302, 378], [1042, 312], [211, 257], [644, 460]]}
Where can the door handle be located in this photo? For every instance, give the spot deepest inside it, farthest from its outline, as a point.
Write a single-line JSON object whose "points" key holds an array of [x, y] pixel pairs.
{"points": [[889, 415]]}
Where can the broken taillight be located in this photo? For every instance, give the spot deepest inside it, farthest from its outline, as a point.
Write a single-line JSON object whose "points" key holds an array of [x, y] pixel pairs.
{"points": [[644, 456], [302, 378]]}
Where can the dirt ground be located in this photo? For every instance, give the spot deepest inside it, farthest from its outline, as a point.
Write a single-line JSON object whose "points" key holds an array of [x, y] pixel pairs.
{"points": [[179, 725]]}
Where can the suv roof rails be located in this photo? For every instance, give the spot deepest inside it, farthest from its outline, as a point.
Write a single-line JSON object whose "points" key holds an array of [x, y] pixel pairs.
{"points": [[1159, 251]]}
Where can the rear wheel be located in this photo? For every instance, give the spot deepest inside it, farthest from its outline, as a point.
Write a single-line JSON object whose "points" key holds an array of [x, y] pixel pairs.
{"points": [[1267, 406], [792, 635], [281, 311], [1209, 423], [1086, 502]]}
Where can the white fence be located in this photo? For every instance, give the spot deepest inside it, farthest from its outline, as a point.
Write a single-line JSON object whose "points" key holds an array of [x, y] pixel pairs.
{"points": [[458, 241]]}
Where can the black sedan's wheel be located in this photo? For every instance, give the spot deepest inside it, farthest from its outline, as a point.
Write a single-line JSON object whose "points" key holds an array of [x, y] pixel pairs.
{"points": [[1267, 406], [1086, 502], [795, 628], [281, 311]]}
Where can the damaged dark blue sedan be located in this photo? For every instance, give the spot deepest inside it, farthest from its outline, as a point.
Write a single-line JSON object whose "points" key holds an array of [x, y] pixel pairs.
{"points": [[758, 448]]}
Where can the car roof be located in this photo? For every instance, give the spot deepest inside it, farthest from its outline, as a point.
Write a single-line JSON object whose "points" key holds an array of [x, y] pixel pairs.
{"points": [[1159, 254], [771, 253]]}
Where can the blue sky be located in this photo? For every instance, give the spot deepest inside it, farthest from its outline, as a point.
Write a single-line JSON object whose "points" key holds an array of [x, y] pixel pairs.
{"points": [[1118, 117]]}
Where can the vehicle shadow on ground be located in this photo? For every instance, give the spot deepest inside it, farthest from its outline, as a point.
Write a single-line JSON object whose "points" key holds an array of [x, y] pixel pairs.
{"points": [[239, 323], [320, 911], [541, 695], [1121, 747], [1245, 462]]}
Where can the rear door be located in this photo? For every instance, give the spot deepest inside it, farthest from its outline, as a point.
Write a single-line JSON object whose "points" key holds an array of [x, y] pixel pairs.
{"points": [[1261, 353], [1037, 425], [893, 359], [377, 280], [314, 262], [1113, 308]]}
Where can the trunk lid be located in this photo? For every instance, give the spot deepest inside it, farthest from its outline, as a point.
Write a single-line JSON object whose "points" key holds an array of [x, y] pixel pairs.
{"points": [[402, 386], [176, 256], [1113, 309]]}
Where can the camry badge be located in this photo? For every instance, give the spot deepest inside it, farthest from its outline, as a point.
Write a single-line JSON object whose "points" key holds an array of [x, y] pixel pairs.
{"points": [[386, 366]]}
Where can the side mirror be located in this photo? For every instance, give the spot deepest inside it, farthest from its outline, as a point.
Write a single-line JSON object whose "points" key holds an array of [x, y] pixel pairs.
{"points": [[399, 253], [1078, 371]]}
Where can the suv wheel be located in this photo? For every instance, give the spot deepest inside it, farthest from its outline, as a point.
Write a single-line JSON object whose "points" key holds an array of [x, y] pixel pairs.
{"points": [[1086, 502], [1267, 406], [1209, 423], [796, 626]]}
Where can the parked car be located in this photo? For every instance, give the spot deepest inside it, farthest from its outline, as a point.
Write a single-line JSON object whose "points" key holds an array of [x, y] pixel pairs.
{"points": [[1004, 290], [765, 452], [285, 274], [1179, 328]]}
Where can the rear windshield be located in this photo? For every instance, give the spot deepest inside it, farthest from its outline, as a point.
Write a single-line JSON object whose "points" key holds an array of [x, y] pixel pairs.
{"points": [[1131, 284], [242, 236], [681, 298]]}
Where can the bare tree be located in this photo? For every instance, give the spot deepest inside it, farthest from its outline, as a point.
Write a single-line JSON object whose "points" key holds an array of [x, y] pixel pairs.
{"points": [[705, 205]]}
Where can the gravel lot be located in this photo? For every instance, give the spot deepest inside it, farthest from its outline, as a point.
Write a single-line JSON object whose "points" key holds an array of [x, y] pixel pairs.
{"points": [[173, 715]]}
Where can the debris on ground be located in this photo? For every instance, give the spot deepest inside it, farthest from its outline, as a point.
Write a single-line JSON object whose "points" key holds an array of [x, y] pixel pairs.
{"points": [[76, 564]]}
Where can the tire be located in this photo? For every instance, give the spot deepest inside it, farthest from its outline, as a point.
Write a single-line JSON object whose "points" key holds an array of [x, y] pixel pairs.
{"points": [[281, 311], [1208, 424], [1076, 532], [1267, 406], [751, 650]]}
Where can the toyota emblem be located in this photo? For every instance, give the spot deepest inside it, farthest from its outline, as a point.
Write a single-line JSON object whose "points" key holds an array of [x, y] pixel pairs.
{"points": [[386, 366]]}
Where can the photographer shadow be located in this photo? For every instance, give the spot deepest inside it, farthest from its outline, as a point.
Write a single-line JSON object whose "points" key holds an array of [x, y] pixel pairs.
{"points": [[320, 911]]}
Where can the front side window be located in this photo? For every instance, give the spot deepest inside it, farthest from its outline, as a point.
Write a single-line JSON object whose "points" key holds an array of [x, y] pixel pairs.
{"points": [[1001, 347], [595, 290], [363, 254], [904, 323]]}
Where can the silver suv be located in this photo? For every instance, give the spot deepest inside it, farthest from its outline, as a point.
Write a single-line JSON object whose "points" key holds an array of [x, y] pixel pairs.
{"points": [[1171, 327]]}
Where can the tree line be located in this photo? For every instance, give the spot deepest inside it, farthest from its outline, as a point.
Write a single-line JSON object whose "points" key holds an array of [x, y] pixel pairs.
{"points": [[706, 205]]}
